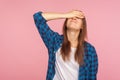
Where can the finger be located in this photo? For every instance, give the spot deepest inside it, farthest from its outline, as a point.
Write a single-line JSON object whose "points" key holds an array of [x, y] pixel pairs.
{"points": [[80, 16]]}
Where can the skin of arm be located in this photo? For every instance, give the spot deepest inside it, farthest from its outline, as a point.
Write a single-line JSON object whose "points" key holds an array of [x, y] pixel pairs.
{"points": [[54, 15]]}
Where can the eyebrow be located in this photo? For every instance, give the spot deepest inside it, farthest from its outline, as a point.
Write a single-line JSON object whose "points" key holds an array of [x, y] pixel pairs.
{"points": [[78, 18]]}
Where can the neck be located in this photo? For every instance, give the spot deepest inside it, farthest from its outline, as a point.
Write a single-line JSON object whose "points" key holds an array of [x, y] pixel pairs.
{"points": [[73, 37]]}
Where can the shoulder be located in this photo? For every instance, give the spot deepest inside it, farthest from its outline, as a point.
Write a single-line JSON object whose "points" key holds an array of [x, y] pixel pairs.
{"points": [[90, 48]]}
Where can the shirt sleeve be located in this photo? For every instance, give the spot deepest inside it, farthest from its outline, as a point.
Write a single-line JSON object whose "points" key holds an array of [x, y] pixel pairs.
{"points": [[46, 33], [93, 64]]}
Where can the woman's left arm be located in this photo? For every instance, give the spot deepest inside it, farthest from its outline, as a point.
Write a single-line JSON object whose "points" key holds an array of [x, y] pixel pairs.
{"points": [[93, 64]]}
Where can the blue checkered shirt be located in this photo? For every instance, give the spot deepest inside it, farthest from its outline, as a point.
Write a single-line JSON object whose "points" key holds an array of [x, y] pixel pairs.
{"points": [[53, 40]]}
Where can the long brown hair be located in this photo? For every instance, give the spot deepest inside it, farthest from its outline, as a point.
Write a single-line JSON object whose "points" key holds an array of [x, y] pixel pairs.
{"points": [[66, 45]]}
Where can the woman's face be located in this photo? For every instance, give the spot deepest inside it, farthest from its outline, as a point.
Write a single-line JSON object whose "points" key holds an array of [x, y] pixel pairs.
{"points": [[74, 23]]}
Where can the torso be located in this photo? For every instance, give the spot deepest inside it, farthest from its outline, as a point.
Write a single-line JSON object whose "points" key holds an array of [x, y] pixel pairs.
{"points": [[66, 70]]}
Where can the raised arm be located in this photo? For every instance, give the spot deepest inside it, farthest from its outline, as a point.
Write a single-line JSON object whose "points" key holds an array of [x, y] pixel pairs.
{"points": [[56, 15], [47, 34]]}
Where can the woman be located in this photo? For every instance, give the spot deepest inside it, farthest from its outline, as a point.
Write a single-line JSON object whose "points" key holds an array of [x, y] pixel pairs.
{"points": [[70, 56]]}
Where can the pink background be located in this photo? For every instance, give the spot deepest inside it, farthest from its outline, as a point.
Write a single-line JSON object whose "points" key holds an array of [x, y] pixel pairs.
{"points": [[23, 55]]}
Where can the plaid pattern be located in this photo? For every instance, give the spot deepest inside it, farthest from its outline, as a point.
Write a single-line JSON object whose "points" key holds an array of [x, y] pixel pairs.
{"points": [[53, 41]]}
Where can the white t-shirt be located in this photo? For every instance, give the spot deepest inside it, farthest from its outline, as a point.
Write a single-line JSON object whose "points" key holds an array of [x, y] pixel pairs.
{"points": [[66, 70]]}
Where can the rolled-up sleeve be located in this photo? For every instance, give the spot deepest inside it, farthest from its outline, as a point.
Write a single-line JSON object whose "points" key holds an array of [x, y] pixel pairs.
{"points": [[43, 28]]}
